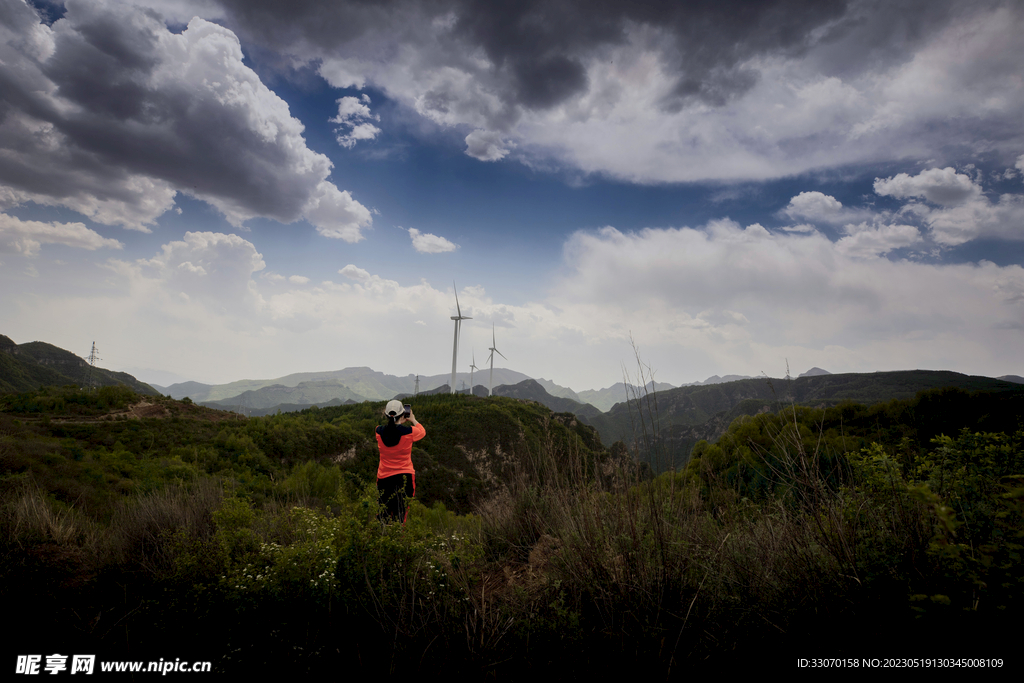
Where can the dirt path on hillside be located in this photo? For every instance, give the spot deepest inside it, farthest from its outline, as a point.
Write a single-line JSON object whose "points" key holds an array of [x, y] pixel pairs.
{"points": [[143, 409]]}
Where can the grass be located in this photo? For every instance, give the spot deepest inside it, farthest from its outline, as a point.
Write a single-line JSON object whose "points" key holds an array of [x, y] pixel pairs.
{"points": [[772, 541]]}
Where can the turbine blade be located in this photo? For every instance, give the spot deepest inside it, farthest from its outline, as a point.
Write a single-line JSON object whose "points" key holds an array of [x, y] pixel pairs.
{"points": [[459, 310]]}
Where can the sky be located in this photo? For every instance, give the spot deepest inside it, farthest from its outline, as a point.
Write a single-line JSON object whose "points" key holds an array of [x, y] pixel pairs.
{"points": [[215, 190]]}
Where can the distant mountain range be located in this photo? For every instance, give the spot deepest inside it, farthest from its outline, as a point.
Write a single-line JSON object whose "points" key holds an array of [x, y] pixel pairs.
{"points": [[604, 399], [29, 366], [685, 415], [365, 384], [266, 401], [305, 393]]}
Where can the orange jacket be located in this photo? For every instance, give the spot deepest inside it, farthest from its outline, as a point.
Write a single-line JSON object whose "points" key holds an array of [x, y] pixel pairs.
{"points": [[398, 459]]}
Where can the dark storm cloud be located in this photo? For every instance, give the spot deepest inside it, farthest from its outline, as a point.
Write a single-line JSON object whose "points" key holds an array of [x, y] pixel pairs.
{"points": [[737, 88], [49, 10], [536, 49], [102, 61], [878, 33]]}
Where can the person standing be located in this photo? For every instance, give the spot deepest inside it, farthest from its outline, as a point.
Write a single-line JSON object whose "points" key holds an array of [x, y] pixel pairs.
{"points": [[396, 478]]}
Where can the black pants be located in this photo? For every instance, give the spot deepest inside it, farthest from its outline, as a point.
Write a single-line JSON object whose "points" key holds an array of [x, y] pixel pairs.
{"points": [[392, 493]]}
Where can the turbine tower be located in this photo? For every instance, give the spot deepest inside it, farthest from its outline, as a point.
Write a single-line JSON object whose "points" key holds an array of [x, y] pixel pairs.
{"points": [[490, 388], [458, 324], [472, 367]]}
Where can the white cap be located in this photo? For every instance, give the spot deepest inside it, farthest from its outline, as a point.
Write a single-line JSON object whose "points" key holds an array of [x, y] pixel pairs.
{"points": [[394, 408]]}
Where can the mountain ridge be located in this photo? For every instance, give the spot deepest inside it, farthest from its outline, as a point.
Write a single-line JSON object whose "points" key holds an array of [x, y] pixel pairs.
{"points": [[32, 365], [686, 415], [363, 381]]}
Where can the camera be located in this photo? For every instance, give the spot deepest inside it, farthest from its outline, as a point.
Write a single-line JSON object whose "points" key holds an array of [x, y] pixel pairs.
{"points": [[408, 410]]}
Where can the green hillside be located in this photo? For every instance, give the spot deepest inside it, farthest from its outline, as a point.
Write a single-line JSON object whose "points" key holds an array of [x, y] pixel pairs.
{"points": [[683, 416], [471, 447], [126, 520], [532, 390], [309, 393], [24, 367]]}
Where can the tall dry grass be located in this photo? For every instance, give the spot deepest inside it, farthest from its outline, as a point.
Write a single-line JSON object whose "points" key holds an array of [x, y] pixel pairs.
{"points": [[31, 516], [142, 527], [671, 568]]}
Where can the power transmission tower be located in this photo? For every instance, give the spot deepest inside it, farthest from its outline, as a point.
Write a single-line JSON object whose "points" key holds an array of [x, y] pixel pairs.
{"points": [[417, 391], [93, 357]]}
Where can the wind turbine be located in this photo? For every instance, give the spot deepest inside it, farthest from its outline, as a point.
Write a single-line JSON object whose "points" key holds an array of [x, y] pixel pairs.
{"points": [[458, 324], [490, 388], [472, 367]]}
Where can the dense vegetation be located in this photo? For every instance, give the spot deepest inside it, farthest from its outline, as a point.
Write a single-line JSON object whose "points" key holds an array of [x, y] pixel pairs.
{"points": [[892, 530], [26, 367], [687, 415]]}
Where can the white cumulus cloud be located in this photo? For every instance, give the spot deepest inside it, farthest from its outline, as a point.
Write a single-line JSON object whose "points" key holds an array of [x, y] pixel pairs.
{"points": [[336, 214], [955, 207], [814, 206], [800, 296], [354, 118], [26, 237], [426, 243], [354, 272], [486, 145], [213, 267], [109, 113], [875, 240], [938, 185]]}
